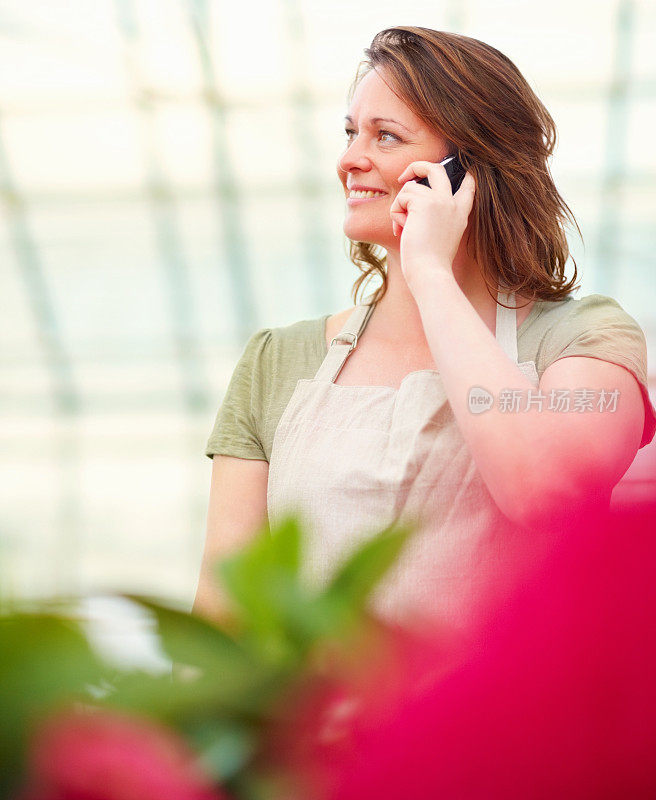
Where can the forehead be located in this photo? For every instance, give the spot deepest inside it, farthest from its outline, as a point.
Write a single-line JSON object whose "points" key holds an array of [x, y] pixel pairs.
{"points": [[372, 94]]}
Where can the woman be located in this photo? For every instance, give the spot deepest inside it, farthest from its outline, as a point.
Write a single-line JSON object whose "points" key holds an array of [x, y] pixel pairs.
{"points": [[355, 429]]}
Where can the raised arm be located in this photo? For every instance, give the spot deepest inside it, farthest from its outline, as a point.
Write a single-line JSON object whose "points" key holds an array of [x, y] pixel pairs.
{"points": [[538, 462]]}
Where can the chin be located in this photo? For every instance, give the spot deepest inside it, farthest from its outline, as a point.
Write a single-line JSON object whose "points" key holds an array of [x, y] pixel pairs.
{"points": [[361, 233]]}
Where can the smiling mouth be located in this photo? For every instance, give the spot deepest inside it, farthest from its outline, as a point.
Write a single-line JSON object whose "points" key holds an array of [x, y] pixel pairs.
{"points": [[364, 195]]}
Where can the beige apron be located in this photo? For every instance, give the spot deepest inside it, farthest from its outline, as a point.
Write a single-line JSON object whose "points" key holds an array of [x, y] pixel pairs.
{"points": [[350, 460]]}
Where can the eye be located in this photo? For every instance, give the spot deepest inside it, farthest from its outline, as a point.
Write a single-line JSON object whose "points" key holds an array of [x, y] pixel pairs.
{"points": [[381, 132], [388, 133]]}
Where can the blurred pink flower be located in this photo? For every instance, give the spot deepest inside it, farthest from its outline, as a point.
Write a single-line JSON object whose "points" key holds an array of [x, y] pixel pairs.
{"points": [[351, 688], [111, 756], [554, 696]]}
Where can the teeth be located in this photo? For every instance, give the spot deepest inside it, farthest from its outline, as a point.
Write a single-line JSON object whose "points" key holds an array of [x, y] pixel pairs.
{"points": [[369, 193]]}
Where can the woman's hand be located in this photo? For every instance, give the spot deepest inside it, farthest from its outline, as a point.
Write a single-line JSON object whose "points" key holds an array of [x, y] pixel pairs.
{"points": [[430, 221]]}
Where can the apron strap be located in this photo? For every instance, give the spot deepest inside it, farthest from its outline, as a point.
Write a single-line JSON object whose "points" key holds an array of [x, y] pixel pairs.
{"points": [[345, 341], [506, 325]]}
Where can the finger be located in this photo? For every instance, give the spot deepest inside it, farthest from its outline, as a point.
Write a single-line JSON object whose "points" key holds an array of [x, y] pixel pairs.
{"points": [[406, 194], [398, 221], [464, 197], [399, 204], [416, 169], [432, 170], [468, 184]]}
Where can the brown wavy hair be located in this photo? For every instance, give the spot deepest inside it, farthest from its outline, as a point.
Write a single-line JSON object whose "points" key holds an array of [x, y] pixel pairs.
{"points": [[478, 101]]}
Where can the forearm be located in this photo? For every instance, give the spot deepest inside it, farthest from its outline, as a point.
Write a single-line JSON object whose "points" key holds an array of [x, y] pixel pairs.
{"points": [[519, 454], [211, 601]]}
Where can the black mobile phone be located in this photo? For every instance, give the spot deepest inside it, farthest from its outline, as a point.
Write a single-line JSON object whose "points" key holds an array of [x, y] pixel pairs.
{"points": [[454, 170]]}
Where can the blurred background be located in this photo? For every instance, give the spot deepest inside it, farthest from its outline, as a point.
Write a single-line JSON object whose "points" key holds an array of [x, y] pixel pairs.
{"points": [[168, 186]]}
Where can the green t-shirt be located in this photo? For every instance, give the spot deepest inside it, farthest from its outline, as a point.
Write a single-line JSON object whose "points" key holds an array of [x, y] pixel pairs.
{"points": [[275, 359]]}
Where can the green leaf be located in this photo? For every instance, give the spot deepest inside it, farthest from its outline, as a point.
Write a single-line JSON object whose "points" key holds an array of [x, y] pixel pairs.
{"points": [[263, 580], [181, 701], [353, 583], [285, 541], [224, 746], [190, 639], [273, 556], [229, 678], [283, 617], [45, 661]]}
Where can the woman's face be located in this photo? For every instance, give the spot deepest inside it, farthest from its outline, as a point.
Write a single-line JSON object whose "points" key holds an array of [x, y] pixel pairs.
{"points": [[377, 153]]}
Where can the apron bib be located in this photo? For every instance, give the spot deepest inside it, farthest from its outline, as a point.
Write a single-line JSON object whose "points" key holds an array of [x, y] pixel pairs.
{"points": [[351, 460]]}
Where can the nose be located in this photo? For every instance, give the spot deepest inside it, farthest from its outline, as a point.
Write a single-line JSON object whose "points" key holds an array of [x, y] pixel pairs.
{"points": [[354, 157]]}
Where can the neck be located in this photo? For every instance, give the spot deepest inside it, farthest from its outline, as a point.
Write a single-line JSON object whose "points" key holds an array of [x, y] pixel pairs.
{"points": [[397, 312]]}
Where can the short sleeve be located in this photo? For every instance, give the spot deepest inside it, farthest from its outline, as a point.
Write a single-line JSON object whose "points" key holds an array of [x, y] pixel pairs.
{"points": [[599, 327], [238, 423]]}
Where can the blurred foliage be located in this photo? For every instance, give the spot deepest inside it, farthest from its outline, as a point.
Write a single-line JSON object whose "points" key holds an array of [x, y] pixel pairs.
{"points": [[224, 688]]}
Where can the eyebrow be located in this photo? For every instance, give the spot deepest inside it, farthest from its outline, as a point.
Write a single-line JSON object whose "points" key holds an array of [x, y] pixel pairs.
{"points": [[374, 120]]}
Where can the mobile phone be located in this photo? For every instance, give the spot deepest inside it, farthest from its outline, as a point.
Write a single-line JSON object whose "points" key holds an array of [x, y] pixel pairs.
{"points": [[454, 170]]}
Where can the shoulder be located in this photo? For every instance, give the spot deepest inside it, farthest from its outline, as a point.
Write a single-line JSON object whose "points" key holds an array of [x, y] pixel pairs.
{"points": [[287, 352], [299, 331], [597, 322], [258, 344], [597, 327], [267, 343], [593, 309], [305, 335]]}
